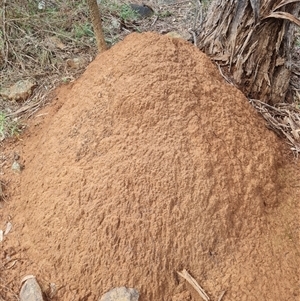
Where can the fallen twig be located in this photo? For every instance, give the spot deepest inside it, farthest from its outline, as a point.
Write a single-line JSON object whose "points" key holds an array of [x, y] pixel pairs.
{"points": [[185, 274], [225, 77], [221, 295], [5, 42], [192, 32], [154, 21], [2, 194]]}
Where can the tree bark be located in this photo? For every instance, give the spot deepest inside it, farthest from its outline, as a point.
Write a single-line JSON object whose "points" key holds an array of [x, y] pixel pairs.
{"points": [[97, 25], [252, 42]]}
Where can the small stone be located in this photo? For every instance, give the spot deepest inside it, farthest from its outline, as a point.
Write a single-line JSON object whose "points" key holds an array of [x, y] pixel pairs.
{"points": [[20, 91], [31, 291], [144, 11], [179, 35], [121, 294], [16, 167], [54, 42], [8, 228], [76, 63]]}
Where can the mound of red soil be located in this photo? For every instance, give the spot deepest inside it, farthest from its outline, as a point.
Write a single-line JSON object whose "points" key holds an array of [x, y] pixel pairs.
{"points": [[153, 164]]}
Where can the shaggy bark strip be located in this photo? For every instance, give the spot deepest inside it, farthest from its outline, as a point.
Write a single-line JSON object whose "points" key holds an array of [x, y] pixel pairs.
{"points": [[254, 44]]}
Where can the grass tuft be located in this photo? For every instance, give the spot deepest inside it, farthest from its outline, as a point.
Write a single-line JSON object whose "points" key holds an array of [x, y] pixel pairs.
{"points": [[9, 127]]}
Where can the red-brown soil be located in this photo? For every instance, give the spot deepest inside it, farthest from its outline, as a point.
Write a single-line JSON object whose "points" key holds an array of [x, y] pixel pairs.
{"points": [[151, 163]]}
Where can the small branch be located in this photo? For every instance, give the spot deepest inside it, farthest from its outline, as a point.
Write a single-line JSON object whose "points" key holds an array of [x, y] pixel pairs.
{"points": [[178, 3], [5, 43], [192, 32], [185, 275], [226, 78], [154, 21], [221, 295]]}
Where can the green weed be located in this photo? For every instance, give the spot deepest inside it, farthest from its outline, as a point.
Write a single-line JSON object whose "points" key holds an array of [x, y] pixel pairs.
{"points": [[127, 13], [8, 127], [83, 30], [124, 11], [165, 14]]}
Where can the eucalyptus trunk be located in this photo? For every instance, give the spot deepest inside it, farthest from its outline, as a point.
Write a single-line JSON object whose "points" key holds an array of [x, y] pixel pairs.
{"points": [[251, 40]]}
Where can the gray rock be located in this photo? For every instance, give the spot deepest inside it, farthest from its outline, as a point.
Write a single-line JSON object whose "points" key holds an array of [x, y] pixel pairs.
{"points": [[19, 91], [121, 294], [143, 11], [31, 291], [16, 167]]}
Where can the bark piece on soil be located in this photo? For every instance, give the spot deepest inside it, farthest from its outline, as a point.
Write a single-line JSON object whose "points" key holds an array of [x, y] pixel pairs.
{"points": [[31, 291], [121, 294]]}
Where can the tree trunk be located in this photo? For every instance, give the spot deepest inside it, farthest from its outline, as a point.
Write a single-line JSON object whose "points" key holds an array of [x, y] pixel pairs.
{"points": [[97, 24], [252, 42]]}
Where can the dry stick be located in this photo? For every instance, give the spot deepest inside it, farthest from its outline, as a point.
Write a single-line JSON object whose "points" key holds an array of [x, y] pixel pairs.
{"points": [[198, 14], [221, 295], [177, 3], [2, 198], [155, 19], [192, 32], [225, 77], [4, 33], [185, 275]]}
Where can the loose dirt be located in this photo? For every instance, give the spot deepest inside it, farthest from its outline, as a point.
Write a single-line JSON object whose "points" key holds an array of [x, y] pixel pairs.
{"points": [[151, 163]]}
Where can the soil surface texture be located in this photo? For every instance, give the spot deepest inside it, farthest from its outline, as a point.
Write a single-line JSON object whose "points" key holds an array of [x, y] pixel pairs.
{"points": [[148, 164]]}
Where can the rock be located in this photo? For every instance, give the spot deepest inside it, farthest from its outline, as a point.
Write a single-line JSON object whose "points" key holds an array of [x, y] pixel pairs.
{"points": [[20, 91], [8, 228], [17, 167], [76, 63], [31, 291], [121, 294], [143, 11], [54, 42], [176, 35]]}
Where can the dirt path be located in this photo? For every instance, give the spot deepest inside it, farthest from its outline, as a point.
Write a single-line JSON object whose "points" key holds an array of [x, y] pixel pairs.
{"points": [[151, 163]]}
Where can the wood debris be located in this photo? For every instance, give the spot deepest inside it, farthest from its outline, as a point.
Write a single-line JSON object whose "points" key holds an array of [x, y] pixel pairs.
{"points": [[221, 295], [283, 119], [185, 274]]}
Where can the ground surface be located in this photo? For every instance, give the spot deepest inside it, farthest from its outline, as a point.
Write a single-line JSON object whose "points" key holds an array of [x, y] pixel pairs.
{"points": [[151, 163]]}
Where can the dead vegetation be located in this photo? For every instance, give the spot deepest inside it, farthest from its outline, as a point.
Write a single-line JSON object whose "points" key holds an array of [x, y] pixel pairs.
{"points": [[52, 46], [253, 42], [283, 119]]}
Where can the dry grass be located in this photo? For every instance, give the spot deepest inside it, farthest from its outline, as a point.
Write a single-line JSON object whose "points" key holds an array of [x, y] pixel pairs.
{"points": [[36, 44]]}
